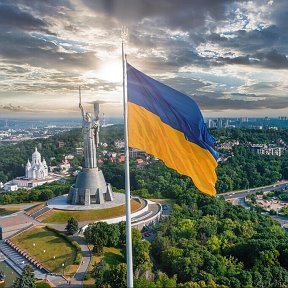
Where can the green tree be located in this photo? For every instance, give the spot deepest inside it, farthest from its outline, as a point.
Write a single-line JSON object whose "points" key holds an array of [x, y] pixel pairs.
{"points": [[214, 244], [113, 235], [122, 231], [164, 281], [27, 279], [118, 276], [101, 274], [72, 226]]}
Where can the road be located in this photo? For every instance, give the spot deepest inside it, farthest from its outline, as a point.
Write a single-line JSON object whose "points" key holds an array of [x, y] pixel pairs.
{"points": [[239, 198], [243, 193]]}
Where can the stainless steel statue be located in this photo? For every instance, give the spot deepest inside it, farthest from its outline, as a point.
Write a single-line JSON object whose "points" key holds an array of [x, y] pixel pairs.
{"points": [[90, 130], [90, 186]]}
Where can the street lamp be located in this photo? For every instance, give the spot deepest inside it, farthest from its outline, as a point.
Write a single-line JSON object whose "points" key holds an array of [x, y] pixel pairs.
{"points": [[63, 265]]}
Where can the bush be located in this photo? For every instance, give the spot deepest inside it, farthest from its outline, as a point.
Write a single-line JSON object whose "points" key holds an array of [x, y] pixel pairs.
{"points": [[87, 276]]}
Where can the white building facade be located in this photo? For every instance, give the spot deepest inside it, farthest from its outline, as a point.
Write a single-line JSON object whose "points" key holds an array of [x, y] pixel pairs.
{"points": [[36, 169]]}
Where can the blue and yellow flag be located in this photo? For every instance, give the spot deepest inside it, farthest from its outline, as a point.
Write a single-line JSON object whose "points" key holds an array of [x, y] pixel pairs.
{"points": [[169, 125]]}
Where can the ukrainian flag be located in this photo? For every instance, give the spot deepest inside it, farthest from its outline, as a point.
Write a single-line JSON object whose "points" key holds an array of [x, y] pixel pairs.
{"points": [[169, 125]]}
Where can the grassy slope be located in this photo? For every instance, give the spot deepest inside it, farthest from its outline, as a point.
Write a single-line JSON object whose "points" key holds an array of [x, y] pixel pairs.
{"points": [[60, 216], [7, 211], [52, 244]]}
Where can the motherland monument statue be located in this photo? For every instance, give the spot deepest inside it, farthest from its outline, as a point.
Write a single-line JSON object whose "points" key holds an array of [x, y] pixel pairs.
{"points": [[90, 186]]}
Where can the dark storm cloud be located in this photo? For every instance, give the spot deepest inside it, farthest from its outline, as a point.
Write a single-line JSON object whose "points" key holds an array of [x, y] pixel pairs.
{"points": [[184, 14], [279, 14], [266, 47], [271, 59], [40, 7], [190, 85], [175, 52], [22, 48], [12, 17], [213, 101], [249, 41]]}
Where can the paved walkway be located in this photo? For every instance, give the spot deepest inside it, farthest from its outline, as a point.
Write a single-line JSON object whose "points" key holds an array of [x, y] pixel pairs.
{"points": [[60, 202], [78, 278]]}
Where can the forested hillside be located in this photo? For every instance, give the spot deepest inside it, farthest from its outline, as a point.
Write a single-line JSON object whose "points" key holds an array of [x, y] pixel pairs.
{"points": [[242, 168], [14, 157], [206, 242], [210, 243]]}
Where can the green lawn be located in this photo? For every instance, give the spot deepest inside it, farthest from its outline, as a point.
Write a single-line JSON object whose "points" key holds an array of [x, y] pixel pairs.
{"points": [[8, 211], [61, 216], [111, 255], [47, 245]]}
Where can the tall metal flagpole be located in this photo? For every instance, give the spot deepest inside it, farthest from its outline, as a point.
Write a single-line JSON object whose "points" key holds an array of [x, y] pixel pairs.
{"points": [[124, 34]]}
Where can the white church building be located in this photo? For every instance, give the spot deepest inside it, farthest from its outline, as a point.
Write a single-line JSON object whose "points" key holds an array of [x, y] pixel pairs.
{"points": [[36, 174], [37, 169]]}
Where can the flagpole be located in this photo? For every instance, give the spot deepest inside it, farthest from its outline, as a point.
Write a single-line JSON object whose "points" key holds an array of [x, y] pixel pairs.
{"points": [[124, 34]]}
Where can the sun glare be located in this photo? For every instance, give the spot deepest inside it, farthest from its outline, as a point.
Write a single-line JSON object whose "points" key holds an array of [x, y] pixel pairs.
{"points": [[110, 71]]}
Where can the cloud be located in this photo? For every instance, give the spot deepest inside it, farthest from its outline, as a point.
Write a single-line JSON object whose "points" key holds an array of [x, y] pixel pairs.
{"points": [[230, 53], [183, 14], [13, 108], [271, 59], [210, 101], [21, 48], [11, 17]]}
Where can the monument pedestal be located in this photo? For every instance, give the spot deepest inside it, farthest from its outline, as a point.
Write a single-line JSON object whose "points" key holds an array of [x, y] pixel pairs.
{"points": [[90, 188]]}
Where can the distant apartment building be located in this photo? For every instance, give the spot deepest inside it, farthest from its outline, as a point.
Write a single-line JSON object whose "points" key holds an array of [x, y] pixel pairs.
{"points": [[276, 151], [218, 123], [212, 123], [264, 149], [244, 119]]}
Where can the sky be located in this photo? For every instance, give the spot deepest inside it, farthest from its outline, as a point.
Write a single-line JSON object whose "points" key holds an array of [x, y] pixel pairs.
{"points": [[230, 56]]}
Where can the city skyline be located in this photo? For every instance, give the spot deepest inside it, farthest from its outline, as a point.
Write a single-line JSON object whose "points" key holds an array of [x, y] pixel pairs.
{"points": [[230, 56]]}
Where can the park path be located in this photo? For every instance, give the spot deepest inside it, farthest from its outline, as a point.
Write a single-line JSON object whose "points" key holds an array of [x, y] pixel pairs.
{"points": [[77, 280], [86, 258]]}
